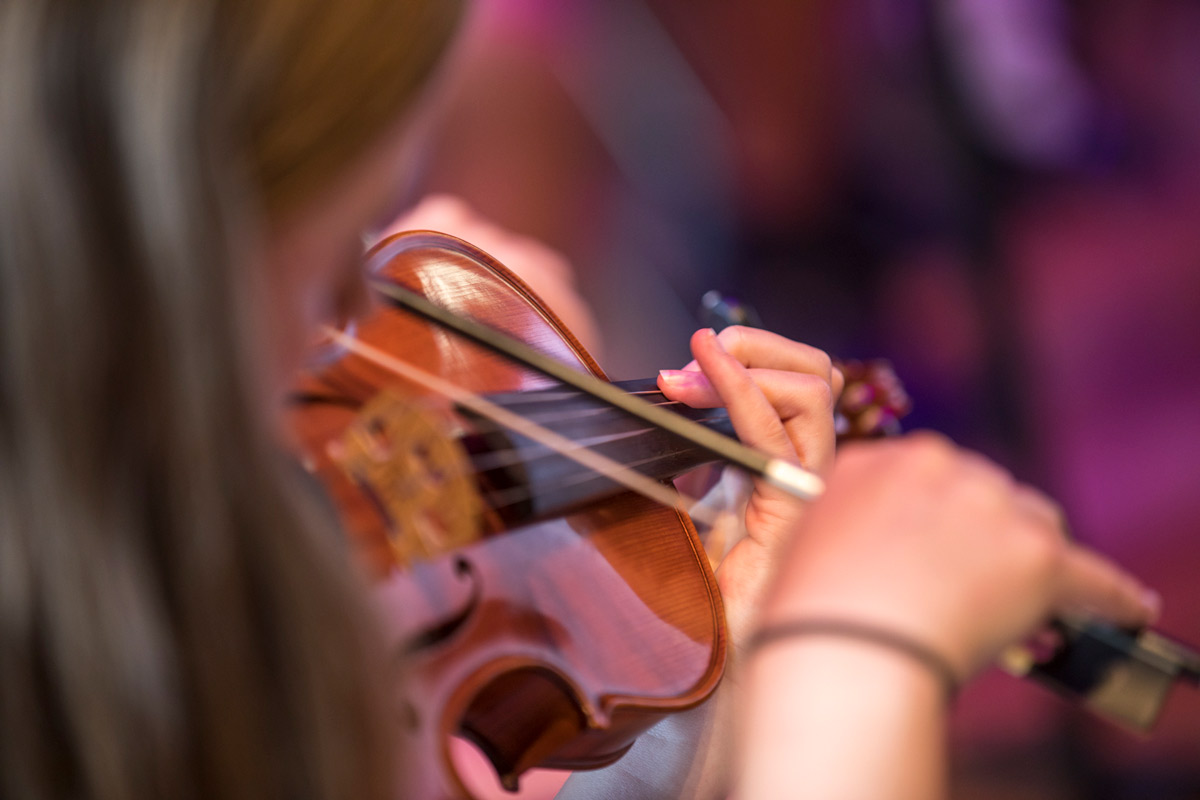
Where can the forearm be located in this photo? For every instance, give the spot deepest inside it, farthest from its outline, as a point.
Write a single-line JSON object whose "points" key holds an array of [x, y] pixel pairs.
{"points": [[841, 719]]}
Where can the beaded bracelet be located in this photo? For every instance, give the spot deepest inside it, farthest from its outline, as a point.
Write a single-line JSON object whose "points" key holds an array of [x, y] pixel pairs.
{"points": [[863, 632]]}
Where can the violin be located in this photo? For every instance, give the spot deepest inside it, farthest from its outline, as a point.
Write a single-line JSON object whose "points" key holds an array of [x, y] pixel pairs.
{"points": [[543, 613], [538, 608]]}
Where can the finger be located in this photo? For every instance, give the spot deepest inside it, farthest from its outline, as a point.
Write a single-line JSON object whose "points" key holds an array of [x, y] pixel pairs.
{"points": [[1042, 508], [791, 393], [1092, 583], [755, 347], [754, 418], [759, 349], [837, 381], [690, 387], [803, 402]]}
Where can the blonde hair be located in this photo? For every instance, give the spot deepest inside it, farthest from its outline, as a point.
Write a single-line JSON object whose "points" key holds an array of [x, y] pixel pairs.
{"points": [[172, 621]]}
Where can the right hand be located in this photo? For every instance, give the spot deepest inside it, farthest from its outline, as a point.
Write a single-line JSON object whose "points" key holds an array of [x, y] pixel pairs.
{"points": [[919, 537]]}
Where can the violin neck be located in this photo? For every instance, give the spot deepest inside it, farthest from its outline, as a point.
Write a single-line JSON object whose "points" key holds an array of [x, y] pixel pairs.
{"points": [[523, 481]]}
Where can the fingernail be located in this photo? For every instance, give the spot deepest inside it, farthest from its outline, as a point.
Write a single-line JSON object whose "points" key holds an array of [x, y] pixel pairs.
{"points": [[675, 377], [1152, 601], [709, 333]]}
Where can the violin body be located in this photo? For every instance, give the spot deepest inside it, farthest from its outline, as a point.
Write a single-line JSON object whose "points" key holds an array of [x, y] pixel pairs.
{"points": [[552, 644]]}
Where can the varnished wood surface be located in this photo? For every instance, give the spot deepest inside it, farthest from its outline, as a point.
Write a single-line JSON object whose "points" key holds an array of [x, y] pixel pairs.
{"points": [[569, 637]]}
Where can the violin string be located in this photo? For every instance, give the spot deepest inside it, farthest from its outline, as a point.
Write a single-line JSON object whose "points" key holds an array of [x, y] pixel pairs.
{"points": [[501, 498], [557, 396], [344, 394], [515, 495], [350, 392], [486, 427], [594, 461], [785, 474], [501, 457], [595, 409], [524, 454], [558, 415], [351, 397]]}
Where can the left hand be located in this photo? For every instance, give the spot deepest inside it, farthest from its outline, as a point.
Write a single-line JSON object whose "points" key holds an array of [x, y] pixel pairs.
{"points": [[780, 395]]}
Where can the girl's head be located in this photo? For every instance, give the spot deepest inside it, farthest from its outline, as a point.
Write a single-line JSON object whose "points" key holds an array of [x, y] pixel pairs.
{"points": [[182, 185]]}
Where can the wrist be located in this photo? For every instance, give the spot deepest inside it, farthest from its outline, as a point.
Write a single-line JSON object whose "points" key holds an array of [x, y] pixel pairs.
{"points": [[816, 701], [855, 633]]}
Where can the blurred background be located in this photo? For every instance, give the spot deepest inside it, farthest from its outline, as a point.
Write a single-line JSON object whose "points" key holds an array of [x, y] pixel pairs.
{"points": [[1000, 196]]}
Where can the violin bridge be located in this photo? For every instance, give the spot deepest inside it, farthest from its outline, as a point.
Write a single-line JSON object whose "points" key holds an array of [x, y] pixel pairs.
{"points": [[416, 475]]}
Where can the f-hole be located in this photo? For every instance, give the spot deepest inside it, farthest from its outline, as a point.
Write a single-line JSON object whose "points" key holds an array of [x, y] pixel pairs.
{"points": [[547, 712]]}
